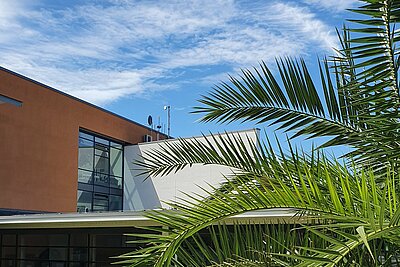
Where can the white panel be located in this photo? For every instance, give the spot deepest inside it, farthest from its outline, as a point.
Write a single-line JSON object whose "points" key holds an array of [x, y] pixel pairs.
{"points": [[139, 193], [154, 191]]}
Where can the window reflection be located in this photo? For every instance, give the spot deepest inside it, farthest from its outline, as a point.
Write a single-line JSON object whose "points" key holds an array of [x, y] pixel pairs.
{"points": [[84, 201], [116, 162], [100, 169], [85, 154]]}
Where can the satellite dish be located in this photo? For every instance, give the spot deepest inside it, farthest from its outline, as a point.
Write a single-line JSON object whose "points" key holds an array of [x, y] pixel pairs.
{"points": [[150, 120]]}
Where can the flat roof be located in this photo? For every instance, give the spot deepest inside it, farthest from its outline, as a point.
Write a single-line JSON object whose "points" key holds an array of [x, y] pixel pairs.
{"points": [[129, 219], [256, 130]]}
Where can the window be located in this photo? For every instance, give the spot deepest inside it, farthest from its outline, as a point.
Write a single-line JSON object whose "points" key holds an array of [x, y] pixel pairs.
{"points": [[100, 173], [65, 247]]}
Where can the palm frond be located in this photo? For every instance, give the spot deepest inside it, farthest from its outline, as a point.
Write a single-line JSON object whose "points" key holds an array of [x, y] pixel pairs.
{"points": [[228, 149], [357, 103], [347, 200], [257, 96], [348, 216]]}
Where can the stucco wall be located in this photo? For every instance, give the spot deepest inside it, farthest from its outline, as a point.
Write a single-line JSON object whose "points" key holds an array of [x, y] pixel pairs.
{"points": [[39, 144], [141, 193]]}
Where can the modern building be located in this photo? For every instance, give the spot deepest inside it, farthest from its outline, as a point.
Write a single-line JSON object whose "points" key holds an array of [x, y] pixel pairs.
{"points": [[69, 190], [46, 136]]}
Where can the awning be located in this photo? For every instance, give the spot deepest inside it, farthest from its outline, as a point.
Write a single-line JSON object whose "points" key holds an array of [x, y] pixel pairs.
{"points": [[130, 219]]}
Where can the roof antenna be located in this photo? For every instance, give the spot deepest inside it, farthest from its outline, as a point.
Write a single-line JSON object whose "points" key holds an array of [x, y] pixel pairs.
{"points": [[158, 128], [150, 123], [168, 109]]}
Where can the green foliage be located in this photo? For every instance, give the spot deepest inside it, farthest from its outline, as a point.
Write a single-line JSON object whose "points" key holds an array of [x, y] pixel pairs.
{"points": [[345, 214], [352, 210], [360, 101]]}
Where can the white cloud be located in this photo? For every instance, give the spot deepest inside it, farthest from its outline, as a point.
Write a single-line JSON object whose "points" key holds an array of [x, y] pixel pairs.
{"points": [[332, 5], [102, 51], [10, 28], [10, 9], [300, 20]]}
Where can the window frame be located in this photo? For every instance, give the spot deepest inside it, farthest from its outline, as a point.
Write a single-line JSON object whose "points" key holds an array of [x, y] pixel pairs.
{"points": [[108, 144]]}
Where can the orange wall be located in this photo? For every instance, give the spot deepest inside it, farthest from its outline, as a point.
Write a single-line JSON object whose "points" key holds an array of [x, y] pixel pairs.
{"points": [[39, 144]]}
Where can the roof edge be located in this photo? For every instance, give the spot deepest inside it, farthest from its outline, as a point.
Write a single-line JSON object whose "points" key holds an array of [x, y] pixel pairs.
{"points": [[77, 99], [256, 130]]}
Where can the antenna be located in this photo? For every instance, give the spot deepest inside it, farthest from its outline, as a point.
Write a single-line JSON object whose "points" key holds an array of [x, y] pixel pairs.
{"points": [[150, 122], [158, 128], [168, 109]]}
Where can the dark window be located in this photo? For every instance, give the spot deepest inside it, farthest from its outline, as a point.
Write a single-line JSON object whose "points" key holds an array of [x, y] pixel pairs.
{"points": [[65, 247], [100, 173], [8, 252], [115, 202], [39, 240], [79, 254], [9, 240]]}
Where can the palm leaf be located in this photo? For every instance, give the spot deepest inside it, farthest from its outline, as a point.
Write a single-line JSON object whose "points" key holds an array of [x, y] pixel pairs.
{"points": [[357, 103], [349, 199]]}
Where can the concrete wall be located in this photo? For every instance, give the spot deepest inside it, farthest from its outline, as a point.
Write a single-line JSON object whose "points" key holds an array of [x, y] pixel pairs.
{"points": [[39, 143], [141, 193]]}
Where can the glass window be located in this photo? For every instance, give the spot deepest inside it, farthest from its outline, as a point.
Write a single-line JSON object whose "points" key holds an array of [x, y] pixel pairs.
{"points": [[58, 264], [116, 182], [78, 264], [99, 172], [101, 179], [8, 263], [116, 145], [115, 202], [9, 252], [102, 150], [32, 263], [85, 177], [79, 254], [102, 141], [100, 208], [79, 239], [40, 240], [85, 135], [84, 201], [102, 255], [116, 162], [100, 202], [9, 240], [101, 164], [58, 253], [85, 154], [106, 240], [44, 253]]}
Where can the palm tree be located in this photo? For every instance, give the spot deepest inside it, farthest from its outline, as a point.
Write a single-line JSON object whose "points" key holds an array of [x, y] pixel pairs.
{"points": [[348, 213]]}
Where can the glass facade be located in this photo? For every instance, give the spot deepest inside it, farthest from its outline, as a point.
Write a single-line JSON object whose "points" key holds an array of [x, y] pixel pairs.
{"points": [[100, 174], [64, 247]]}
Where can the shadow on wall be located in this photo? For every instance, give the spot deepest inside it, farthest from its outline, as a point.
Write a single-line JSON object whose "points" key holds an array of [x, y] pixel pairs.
{"points": [[139, 192]]}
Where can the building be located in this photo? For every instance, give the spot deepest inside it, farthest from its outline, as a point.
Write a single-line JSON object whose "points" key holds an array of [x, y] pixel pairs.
{"points": [[68, 180], [39, 132]]}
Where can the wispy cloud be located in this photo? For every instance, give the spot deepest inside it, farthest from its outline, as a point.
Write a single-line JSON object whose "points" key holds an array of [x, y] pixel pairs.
{"points": [[332, 5], [104, 50]]}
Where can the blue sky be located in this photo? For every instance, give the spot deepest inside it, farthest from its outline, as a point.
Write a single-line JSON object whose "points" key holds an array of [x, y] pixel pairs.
{"points": [[134, 57]]}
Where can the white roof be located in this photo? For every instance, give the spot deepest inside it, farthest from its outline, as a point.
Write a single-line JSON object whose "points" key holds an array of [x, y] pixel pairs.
{"points": [[127, 219]]}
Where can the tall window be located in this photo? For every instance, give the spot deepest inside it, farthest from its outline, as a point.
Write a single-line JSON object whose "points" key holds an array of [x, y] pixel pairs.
{"points": [[100, 174]]}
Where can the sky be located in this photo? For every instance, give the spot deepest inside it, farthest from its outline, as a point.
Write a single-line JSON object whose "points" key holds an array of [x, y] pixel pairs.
{"points": [[135, 57]]}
